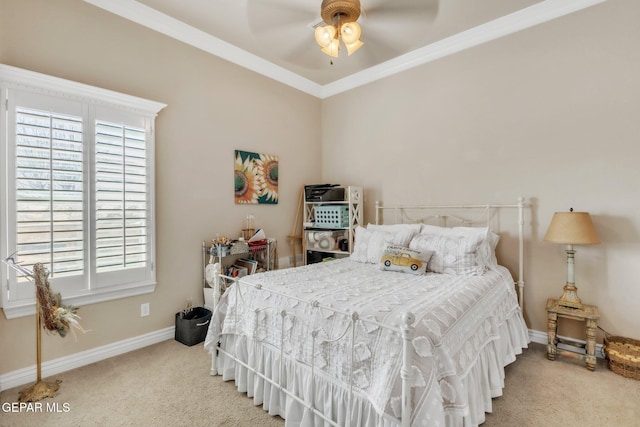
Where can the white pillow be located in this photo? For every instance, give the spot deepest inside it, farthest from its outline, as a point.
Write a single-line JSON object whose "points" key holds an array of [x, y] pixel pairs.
{"points": [[392, 228], [369, 244], [486, 250], [402, 233], [452, 254]]}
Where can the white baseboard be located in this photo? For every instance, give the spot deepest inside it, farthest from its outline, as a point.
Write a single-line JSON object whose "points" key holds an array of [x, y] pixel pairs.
{"points": [[53, 367]]}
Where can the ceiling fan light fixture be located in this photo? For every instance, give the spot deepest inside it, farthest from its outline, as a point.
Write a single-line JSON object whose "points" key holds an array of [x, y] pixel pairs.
{"points": [[352, 47], [340, 17], [346, 10], [332, 49], [324, 35], [350, 32]]}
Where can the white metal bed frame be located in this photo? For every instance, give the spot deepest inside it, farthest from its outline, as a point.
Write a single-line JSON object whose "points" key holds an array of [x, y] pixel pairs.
{"points": [[405, 331]]}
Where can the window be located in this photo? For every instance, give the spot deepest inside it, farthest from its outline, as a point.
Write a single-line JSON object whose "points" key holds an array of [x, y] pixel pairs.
{"points": [[77, 191], [121, 197]]}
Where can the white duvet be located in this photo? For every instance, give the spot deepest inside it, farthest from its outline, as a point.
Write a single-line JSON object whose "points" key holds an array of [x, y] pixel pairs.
{"points": [[458, 320]]}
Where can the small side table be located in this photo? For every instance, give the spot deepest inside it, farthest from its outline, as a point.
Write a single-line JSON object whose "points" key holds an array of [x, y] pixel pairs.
{"points": [[588, 314]]}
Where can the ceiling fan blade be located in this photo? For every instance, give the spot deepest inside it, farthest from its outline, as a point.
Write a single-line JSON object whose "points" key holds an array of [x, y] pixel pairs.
{"points": [[276, 36], [294, 44], [378, 48], [403, 24], [307, 54], [425, 10], [263, 15]]}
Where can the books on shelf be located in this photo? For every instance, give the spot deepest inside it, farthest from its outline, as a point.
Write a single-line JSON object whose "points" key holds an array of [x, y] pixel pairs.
{"points": [[251, 265], [236, 271], [239, 271]]}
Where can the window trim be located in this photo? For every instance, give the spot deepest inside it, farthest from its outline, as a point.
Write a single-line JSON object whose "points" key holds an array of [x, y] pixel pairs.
{"points": [[13, 78]]}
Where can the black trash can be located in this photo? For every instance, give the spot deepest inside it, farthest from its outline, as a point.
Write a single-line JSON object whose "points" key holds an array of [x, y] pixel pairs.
{"points": [[191, 327]]}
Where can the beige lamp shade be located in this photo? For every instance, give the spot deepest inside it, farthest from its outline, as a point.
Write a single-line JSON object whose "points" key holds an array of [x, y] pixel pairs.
{"points": [[572, 228]]}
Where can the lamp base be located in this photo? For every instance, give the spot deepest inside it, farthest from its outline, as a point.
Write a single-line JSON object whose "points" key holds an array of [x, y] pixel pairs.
{"points": [[40, 390], [570, 298]]}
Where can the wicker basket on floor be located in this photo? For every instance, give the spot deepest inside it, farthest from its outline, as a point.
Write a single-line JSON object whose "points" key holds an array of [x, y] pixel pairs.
{"points": [[624, 355]]}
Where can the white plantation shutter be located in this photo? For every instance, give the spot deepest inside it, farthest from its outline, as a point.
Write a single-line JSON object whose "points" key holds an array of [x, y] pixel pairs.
{"points": [[76, 190], [49, 187], [122, 202]]}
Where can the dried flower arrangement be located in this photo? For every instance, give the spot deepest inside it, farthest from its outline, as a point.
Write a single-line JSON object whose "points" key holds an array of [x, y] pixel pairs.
{"points": [[188, 308], [221, 246], [51, 315], [222, 240], [56, 317]]}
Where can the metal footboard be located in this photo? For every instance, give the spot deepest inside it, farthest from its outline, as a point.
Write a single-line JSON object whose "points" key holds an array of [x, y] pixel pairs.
{"points": [[405, 332]]}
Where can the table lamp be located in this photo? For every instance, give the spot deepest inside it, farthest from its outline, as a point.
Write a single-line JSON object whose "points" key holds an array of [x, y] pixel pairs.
{"points": [[571, 228]]}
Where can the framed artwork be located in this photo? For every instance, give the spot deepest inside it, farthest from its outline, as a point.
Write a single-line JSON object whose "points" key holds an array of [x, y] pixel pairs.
{"points": [[255, 178]]}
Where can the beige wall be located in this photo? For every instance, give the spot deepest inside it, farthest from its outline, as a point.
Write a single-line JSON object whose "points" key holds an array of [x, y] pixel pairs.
{"points": [[550, 113], [213, 108]]}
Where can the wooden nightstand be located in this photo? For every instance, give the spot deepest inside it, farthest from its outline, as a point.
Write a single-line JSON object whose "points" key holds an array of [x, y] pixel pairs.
{"points": [[588, 314]]}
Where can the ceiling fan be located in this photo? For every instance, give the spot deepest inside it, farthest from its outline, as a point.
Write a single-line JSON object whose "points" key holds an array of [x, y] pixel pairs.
{"points": [[387, 27], [340, 17]]}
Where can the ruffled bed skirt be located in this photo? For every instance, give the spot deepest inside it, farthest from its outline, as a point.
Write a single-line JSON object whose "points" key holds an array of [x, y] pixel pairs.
{"points": [[483, 380]]}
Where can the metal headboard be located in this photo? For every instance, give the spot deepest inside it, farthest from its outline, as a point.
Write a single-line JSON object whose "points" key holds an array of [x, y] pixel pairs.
{"points": [[452, 215]]}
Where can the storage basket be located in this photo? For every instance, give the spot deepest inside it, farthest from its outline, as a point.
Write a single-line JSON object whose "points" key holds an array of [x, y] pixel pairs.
{"points": [[325, 240], [331, 216], [624, 355], [191, 327]]}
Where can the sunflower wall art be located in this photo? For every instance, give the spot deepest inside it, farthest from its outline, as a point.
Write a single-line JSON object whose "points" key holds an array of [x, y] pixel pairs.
{"points": [[255, 178]]}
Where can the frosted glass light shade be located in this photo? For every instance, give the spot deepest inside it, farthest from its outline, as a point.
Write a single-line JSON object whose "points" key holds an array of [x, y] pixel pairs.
{"points": [[328, 38], [324, 35], [353, 46], [350, 32], [332, 49]]}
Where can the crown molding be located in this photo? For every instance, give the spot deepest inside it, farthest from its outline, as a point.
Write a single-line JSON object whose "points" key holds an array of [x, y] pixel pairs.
{"points": [[157, 21], [503, 26], [533, 15]]}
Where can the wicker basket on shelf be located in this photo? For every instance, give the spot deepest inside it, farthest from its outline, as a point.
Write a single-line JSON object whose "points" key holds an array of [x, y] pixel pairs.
{"points": [[624, 355]]}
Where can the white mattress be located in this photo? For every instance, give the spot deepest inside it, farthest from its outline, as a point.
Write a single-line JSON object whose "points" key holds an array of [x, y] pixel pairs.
{"points": [[467, 329]]}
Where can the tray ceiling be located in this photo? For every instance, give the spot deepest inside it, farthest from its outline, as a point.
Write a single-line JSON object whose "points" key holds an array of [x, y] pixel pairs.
{"points": [[275, 37]]}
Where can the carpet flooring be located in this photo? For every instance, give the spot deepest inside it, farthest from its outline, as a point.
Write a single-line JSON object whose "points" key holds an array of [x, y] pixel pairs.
{"points": [[168, 384]]}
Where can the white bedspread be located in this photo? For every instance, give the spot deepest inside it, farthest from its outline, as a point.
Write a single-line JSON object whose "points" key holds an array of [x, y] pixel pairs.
{"points": [[457, 317]]}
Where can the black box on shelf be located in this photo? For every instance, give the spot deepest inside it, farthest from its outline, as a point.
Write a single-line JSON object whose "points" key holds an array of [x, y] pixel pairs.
{"points": [[315, 256], [323, 193], [191, 327]]}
